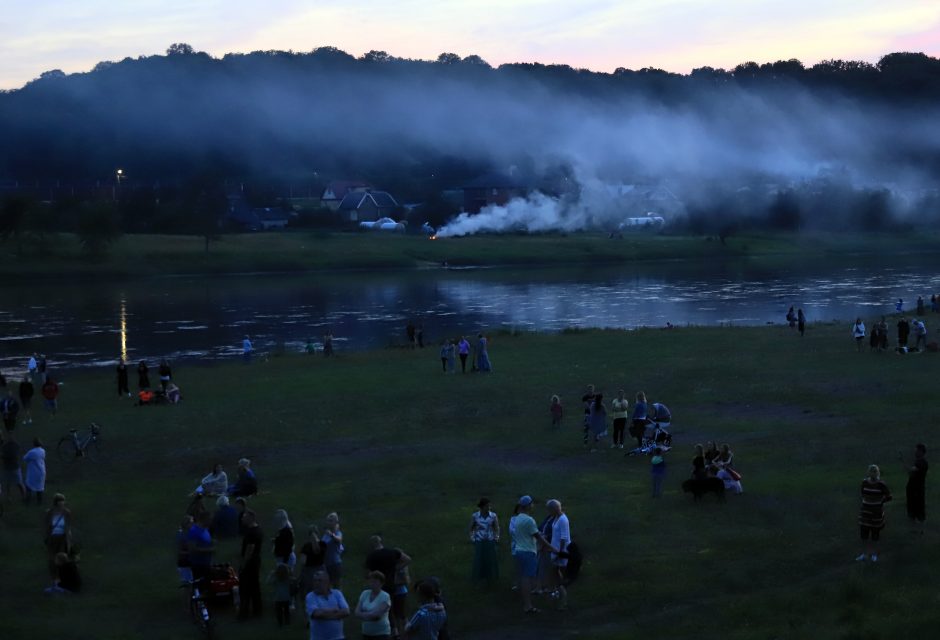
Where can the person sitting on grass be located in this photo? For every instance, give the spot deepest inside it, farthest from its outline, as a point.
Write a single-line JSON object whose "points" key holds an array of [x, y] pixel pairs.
{"points": [[711, 453], [215, 483], [725, 457], [67, 579], [698, 463], [246, 483], [728, 477]]}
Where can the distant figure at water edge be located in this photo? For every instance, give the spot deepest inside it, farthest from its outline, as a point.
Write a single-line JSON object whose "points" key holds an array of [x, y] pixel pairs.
{"points": [[483, 356], [598, 421], [556, 410], [247, 348], [916, 489], [463, 350], [143, 375], [899, 307], [310, 348], [410, 333], [871, 517], [858, 332], [328, 345], [122, 379], [419, 334], [801, 322], [165, 374], [920, 335], [791, 318], [920, 305]]}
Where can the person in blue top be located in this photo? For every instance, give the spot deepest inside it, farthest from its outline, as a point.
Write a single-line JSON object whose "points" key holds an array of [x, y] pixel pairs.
{"points": [[247, 348], [200, 546], [326, 608], [639, 418]]}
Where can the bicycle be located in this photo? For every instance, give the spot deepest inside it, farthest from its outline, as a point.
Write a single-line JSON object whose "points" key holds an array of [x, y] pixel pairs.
{"points": [[200, 611], [74, 446]]}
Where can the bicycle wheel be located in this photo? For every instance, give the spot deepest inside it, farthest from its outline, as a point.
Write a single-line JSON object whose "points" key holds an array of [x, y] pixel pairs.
{"points": [[66, 450]]}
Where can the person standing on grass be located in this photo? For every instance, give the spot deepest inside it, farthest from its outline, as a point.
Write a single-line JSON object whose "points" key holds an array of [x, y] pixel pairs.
{"points": [[143, 375], [35, 460], [463, 350], [57, 534], [122, 379], [444, 346], [32, 368], [638, 429], [201, 545], [247, 348], [561, 539], [871, 517], [9, 408], [451, 356], [333, 554], [430, 620], [410, 332], [858, 332], [920, 335], [389, 562], [619, 408], [557, 411], [525, 538], [284, 541], [26, 393], [326, 608], [312, 552], [657, 471], [249, 574], [373, 609], [588, 401], [419, 334], [484, 534], [483, 355], [801, 322], [280, 578], [598, 421], [916, 489], [166, 374], [904, 330]]}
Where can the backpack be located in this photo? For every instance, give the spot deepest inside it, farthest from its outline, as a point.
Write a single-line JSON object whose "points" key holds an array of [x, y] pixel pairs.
{"points": [[575, 560]]}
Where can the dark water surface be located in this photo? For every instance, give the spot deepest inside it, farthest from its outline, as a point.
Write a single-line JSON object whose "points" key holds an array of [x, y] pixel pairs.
{"points": [[205, 318]]}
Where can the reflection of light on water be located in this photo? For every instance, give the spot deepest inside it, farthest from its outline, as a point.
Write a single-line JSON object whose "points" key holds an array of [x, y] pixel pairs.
{"points": [[123, 329]]}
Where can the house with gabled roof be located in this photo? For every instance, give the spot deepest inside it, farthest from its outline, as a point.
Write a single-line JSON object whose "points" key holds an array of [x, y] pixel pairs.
{"points": [[365, 206], [334, 193]]}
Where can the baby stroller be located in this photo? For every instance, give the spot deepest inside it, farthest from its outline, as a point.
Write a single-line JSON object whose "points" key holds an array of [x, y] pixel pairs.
{"points": [[658, 422]]}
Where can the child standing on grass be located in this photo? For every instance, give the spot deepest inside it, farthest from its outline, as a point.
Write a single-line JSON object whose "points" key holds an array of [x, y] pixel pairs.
{"points": [[658, 471], [556, 410], [280, 578]]}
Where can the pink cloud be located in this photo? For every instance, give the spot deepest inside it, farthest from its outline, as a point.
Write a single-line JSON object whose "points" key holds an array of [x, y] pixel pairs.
{"points": [[926, 41]]}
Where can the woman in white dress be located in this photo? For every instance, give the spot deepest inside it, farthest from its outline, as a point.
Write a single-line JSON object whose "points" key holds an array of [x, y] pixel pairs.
{"points": [[35, 460]]}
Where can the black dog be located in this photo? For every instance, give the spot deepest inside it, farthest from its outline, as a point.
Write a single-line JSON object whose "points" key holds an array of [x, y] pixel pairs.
{"points": [[698, 488]]}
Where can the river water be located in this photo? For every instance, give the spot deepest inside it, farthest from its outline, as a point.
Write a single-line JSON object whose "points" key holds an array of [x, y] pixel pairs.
{"points": [[205, 318]]}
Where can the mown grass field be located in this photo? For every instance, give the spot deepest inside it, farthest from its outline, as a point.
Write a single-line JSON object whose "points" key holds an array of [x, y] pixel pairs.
{"points": [[144, 255], [394, 446]]}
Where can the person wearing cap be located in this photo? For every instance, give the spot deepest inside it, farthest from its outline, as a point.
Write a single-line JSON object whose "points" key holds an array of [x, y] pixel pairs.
{"points": [[525, 536], [484, 534]]}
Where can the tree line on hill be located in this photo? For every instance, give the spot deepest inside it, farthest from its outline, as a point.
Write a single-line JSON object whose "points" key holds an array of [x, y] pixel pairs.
{"points": [[185, 124]]}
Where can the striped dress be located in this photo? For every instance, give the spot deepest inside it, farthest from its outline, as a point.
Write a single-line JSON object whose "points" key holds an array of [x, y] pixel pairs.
{"points": [[874, 495]]}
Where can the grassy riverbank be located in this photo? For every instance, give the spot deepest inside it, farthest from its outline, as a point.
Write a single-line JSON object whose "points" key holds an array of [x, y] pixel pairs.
{"points": [[395, 446], [144, 255]]}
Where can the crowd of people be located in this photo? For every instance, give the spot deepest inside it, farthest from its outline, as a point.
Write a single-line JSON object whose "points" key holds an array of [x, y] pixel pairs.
{"points": [[311, 577], [878, 335]]}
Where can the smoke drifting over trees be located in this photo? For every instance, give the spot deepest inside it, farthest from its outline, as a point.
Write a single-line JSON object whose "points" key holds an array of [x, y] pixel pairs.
{"points": [[778, 145]]}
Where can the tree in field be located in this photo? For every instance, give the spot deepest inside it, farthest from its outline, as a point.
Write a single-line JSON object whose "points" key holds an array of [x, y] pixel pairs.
{"points": [[180, 49], [14, 213], [99, 224]]}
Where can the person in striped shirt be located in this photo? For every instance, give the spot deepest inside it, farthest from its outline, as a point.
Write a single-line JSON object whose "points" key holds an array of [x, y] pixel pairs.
{"points": [[871, 517]]}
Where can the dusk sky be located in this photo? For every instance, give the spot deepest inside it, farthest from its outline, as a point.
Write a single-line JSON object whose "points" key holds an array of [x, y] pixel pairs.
{"points": [[677, 35]]}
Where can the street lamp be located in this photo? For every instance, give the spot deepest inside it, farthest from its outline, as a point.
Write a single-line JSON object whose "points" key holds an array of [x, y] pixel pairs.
{"points": [[118, 175]]}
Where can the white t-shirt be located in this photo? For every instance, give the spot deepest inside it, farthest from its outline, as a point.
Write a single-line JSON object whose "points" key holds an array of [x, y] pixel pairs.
{"points": [[370, 606], [561, 538]]}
